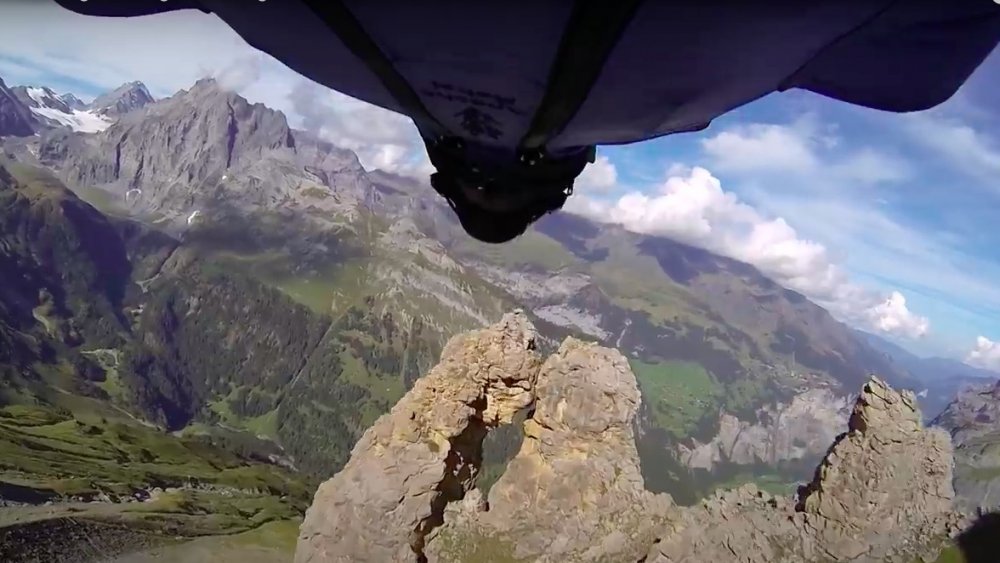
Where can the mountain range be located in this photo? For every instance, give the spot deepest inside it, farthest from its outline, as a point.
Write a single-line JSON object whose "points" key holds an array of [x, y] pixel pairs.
{"points": [[202, 267], [943, 379]]}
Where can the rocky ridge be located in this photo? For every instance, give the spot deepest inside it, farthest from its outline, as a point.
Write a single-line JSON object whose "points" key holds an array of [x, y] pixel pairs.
{"points": [[973, 420], [882, 493], [574, 492], [123, 99], [425, 452], [15, 119]]}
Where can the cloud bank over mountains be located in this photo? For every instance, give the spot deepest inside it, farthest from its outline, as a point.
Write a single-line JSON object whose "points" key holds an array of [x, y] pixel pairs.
{"points": [[692, 207]]}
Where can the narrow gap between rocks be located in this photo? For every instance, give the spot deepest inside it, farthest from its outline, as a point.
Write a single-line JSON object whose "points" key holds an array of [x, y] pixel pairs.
{"points": [[477, 448], [461, 466]]}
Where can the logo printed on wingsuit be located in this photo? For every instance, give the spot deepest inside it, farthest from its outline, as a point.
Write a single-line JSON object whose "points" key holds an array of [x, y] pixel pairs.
{"points": [[469, 96], [478, 123]]}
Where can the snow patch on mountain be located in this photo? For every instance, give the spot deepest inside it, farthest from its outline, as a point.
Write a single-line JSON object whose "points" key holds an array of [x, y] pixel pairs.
{"points": [[55, 111], [82, 121], [41, 96]]}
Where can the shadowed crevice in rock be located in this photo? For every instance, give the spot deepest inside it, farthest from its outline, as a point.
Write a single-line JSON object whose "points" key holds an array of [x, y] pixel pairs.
{"points": [[462, 464]]}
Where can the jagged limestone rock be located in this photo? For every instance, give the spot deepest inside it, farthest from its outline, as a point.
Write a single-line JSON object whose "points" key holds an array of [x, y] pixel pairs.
{"points": [[425, 452], [574, 491], [882, 493]]}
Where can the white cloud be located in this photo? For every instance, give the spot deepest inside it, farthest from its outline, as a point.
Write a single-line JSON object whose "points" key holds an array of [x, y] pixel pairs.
{"points": [[110, 51], [892, 316], [986, 354], [804, 148], [382, 139], [757, 147], [599, 176], [693, 208], [240, 74], [973, 151], [853, 200], [918, 225]]}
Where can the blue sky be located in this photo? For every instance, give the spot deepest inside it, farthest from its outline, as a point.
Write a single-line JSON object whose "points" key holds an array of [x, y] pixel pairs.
{"points": [[846, 204]]}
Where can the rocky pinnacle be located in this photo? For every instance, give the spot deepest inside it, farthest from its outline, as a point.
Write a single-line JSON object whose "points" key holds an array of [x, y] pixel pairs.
{"points": [[424, 453]]}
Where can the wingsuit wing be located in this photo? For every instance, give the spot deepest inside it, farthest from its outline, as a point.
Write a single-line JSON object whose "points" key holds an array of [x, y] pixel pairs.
{"points": [[488, 70], [911, 56], [126, 8]]}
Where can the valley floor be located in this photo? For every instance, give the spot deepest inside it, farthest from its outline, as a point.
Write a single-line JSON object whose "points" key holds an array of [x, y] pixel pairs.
{"points": [[271, 543]]}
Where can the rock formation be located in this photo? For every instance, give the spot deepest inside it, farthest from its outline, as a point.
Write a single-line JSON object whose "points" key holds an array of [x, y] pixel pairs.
{"points": [[15, 119], [574, 493], [123, 99], [424, 453], [882, 493]]}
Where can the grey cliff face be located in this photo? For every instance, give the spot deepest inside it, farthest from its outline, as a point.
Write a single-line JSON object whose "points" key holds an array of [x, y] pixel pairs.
{"points": [[973, 419], [207, 149], [975, 412], [801, 429], [15, 118], [175, 152]]}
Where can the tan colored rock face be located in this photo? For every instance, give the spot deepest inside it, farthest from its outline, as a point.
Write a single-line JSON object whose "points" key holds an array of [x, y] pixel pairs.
{"points": [[886, 478], [424, 453], [574, 491]]}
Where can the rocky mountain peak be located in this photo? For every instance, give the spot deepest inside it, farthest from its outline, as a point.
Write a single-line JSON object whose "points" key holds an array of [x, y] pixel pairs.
{"points": [[72, 101], [176, 154], [876, 471], [124, 99], [574, 491], [425, 452], [882, 493], [206, 83], [40, 97], [15, 119]]}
